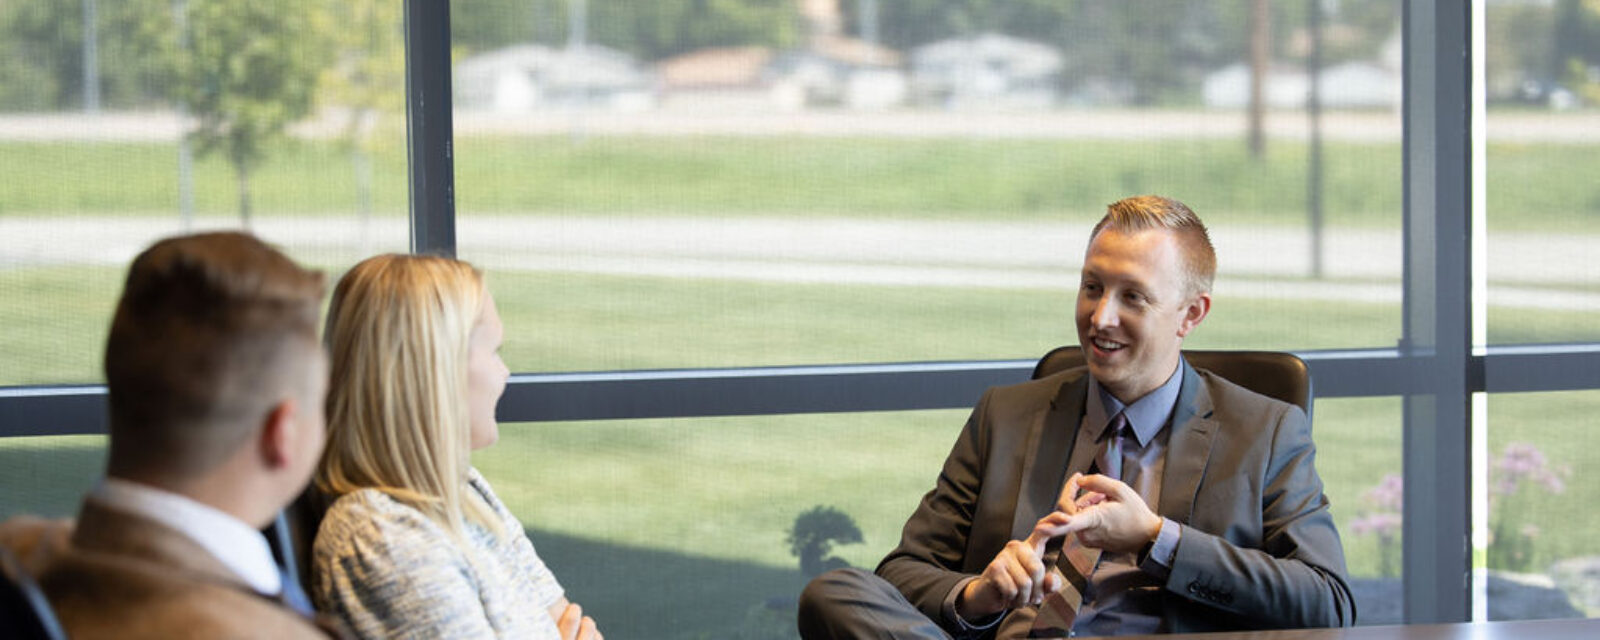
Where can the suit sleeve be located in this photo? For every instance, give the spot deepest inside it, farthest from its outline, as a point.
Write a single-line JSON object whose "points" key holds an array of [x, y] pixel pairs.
{"points": [[933, 545], [1297, 576]]}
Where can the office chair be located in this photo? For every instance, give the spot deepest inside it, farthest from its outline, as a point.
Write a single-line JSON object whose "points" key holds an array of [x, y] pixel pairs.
{"points": [[290, 535], [24, 612], [1278, 375]]}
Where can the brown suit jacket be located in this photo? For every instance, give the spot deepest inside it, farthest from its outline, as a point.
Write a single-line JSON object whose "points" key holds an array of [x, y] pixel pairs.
{"points": [[1258, 547], [118, 575]]}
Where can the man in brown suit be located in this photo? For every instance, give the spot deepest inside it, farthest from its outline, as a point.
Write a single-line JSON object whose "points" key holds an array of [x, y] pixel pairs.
{"points": [[215, 383]]}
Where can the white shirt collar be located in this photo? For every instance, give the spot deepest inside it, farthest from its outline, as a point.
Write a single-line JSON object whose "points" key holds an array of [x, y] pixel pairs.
{"points": [[240, 547]]}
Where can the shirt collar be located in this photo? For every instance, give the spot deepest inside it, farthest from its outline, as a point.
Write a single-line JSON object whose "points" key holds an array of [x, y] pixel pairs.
{"points": [[240, 547], [1147, 415]]}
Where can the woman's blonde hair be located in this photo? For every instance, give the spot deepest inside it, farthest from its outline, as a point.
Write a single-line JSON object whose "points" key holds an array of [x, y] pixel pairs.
{"points": [[398, 332]]}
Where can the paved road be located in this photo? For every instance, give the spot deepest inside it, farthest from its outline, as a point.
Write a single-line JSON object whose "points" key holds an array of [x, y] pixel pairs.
{"points": [[1530, 270]]}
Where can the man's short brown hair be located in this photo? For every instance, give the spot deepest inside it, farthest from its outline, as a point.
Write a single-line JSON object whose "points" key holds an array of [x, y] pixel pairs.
{"points": [[1141, 213], [206, 338]]}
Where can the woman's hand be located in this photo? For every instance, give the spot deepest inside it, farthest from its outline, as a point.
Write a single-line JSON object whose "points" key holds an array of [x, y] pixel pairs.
{"points": [[573, 624]]}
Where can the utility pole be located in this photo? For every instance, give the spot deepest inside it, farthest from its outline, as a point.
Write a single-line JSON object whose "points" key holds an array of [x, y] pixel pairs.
{"points": [[1314, 114], [868, 16], [180, 19], [91, 57], [1260, 45]]}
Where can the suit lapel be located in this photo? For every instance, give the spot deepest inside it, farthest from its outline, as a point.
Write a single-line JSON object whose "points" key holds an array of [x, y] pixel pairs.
{"points": [[1193, 434], [1055, 431]]}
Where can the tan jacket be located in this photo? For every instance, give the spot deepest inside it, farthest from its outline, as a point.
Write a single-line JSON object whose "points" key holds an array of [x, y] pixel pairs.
{"points": [[118, 575]]}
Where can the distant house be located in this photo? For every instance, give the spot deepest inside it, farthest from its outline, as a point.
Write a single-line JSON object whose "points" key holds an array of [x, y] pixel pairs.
{"points": [[990, 70], [717, 79], [531, 77], [1352, 85], [833, 71], [838, 70]]}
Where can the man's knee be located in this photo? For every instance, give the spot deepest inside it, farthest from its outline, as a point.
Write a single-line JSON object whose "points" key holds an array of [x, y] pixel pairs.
{"points": [[840, 586], [828, 601]]}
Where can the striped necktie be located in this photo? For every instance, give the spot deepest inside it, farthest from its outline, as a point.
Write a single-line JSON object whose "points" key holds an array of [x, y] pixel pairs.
{"points": [[1072, 562]]}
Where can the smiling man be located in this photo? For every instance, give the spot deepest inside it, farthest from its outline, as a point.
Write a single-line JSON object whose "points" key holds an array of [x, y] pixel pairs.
{"points": [[1134, 495]]}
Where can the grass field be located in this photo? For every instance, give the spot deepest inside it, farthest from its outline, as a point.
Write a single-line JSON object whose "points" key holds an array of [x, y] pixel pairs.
{"points": [[1531, 186], [567, 322]]}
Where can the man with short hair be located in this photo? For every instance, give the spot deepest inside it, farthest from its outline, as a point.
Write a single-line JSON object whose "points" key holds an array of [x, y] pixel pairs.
{"points": [[1190, 503], [215, 383]]}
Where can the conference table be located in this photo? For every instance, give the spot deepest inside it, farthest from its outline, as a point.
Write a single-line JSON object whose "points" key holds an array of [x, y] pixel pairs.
{"points": [[1585, 629]]}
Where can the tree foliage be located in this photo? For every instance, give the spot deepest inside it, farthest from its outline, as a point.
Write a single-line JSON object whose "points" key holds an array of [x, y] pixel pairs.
{"points": [[365, 85], [814, 534], [42, 42], [249, 70], [649, 30]]}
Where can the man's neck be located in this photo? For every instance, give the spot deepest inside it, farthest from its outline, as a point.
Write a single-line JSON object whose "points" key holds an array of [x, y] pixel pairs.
{"points": [[216, 489]]}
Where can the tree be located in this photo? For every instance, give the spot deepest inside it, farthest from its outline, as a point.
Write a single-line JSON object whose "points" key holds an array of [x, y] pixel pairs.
{"points": [[366, 81], [814, 534], [42, 42], [1580, 63], [250, 70]]}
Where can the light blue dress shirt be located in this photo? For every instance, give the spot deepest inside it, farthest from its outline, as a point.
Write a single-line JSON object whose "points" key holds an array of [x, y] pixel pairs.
{"points": [[1124, 597]]}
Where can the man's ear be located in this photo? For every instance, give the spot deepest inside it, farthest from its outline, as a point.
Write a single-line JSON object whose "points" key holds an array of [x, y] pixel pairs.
{"points": [[278, 434], [1197, 309]]}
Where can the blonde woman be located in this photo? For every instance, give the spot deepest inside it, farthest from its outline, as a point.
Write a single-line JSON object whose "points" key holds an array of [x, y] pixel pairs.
{"points": [[415, 544]]}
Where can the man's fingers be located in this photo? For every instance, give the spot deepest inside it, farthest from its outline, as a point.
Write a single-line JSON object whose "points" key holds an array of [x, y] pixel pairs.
{"points": [[1066, 502], [1107, 486], [1086, 519], [1021, 582], [1051, 583], [1089, 499], [1048, 527]]}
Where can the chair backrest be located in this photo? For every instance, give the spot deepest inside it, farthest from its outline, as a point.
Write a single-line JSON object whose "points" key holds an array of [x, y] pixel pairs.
{"points": [[291, 534], [1274, 374], [24, 612]]}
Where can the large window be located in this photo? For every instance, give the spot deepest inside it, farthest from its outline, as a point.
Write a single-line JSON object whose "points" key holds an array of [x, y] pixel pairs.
{"points": [[678, 196], [1542, 89], [124, 122], [682, 186]]}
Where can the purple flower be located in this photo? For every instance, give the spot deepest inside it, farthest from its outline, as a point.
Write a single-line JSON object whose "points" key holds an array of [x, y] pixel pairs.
{"points": [[1520, 462], [1389, 494]]}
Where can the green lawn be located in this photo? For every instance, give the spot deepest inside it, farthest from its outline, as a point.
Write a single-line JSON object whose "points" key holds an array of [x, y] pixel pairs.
{"points": [[57, 318], [1530, 186], [568, 322]]}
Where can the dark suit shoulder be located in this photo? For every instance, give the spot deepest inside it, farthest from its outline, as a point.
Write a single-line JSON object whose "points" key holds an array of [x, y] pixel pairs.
{"points": [[1227, 398], [1030, 395]]}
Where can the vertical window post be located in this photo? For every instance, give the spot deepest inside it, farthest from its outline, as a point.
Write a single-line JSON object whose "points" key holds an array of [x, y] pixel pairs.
{"points": [[430, 142], [1437, 310]]}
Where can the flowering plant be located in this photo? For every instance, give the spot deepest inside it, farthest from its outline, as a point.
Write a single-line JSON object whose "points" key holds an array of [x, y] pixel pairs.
{"points": [[1519, 466], [1382, 518]]}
